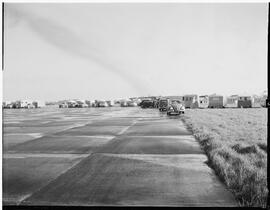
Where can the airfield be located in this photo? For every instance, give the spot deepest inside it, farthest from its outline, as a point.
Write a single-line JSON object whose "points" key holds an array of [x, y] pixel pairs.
{"points": [[105, 157]]}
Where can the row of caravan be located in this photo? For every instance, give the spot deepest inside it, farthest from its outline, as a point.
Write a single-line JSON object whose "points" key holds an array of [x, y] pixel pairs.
{"points": [[23, 104], [219, 101], [98, 103], [85, 104]]}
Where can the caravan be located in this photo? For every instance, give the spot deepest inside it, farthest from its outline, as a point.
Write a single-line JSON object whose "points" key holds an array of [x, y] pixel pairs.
{"points": [[216, 101], [203, 102], [191, 101], [256, 101], [244, 102], [38, 104], [232, 101]]}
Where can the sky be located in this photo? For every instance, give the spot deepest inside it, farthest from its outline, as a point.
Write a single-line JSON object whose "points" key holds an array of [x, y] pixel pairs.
{"points": [[56, 51]]}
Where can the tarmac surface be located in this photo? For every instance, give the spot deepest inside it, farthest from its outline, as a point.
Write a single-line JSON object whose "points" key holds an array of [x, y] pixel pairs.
{"points": [[105, 156]]}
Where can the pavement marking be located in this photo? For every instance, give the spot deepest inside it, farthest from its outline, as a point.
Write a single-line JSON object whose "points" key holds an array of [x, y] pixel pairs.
{"points": [[29, 155], [191, 137], [196, 156], [71, 127], [35, 135], [82, 136], [187, 161], [126, 128], [62, 172]]}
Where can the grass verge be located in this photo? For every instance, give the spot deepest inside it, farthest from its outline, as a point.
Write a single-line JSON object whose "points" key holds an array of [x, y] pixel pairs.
{"points": [[235, 142]]}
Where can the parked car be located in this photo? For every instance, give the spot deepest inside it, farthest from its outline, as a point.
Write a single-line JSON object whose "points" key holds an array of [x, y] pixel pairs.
{"points": [[163, 104], [63, 105], [84, 105], [176, 108], [110, 103], [147, 104], [30, 106], [81, 104], [71, 104], [131, 103], [102, 104], [123, 103]]}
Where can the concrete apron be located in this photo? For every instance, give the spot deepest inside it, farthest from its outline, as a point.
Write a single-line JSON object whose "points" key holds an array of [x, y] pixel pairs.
{"points": [[150, 163]]}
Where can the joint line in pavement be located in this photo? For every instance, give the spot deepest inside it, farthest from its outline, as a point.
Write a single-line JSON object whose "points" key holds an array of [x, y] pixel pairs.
{"points": [[126, 128]]}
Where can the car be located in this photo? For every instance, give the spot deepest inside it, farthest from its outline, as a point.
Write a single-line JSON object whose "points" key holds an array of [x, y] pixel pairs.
{"points": [[63, 105], [123, 103], [72, 104], [110, 103], [175, 108], [147, 104], [163, 105], [102, 104], [131, 103], [81, 104]]}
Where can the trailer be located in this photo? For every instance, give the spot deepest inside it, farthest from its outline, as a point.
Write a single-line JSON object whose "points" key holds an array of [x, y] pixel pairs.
{"points": [[24, 104], [244, 102], [110, 103], [263, 101], [191, 101], [256, 101], [216, 101], [38, 104], [203, 102], [232, 101]]}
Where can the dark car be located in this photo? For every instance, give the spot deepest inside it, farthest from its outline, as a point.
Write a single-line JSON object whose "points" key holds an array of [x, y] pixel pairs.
{"points": [[147, 104], [163, 105]]}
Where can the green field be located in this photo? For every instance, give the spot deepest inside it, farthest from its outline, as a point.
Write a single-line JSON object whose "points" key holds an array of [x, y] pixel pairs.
{"points": [[235, 141]]}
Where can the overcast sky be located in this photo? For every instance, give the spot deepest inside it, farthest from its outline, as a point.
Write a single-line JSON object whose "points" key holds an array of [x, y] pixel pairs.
{"points": [[108, 51]]}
